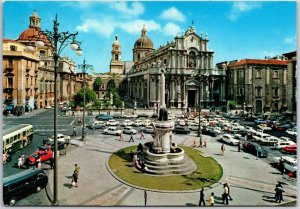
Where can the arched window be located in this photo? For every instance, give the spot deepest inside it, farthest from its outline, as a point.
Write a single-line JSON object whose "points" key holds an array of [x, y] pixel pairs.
{"points": [[116, 57]]}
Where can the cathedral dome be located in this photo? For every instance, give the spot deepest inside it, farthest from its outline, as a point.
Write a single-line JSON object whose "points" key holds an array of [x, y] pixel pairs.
{"points": [[32, 34], [144, 42]]}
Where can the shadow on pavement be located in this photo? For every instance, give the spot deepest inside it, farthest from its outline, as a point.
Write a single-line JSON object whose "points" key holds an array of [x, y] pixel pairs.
{"points": [[190, 204], [68, 185], [268, 198]]}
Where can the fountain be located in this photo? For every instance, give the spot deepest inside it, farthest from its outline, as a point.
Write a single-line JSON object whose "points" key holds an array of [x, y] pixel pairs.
{"points": [[162, 156]]}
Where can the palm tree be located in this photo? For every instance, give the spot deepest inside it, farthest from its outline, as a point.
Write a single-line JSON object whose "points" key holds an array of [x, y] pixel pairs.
{"points": [[97, 85]]}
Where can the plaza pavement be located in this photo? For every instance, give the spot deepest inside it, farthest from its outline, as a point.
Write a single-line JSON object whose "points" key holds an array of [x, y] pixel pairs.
{"points": [[252, 181]]}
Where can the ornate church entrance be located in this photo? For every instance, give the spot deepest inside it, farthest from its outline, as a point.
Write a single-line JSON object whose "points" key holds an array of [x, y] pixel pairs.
{"points": [[192, 98]]}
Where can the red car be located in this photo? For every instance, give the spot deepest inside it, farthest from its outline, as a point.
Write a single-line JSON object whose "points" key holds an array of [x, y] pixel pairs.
{"points": [[44, 152], [292, 149]]}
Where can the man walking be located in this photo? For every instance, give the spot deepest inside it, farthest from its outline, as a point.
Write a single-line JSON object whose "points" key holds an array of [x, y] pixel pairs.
{"points": [[239, 146], [121, 136], [77, 168], [225, 194], [131, 138], [145, 197], [223, 149], [201, 197], [74, 131], [142, 135]]}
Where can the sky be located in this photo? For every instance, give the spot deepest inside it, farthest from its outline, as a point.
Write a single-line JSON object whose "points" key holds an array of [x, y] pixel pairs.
{"points": [[236, 30]]}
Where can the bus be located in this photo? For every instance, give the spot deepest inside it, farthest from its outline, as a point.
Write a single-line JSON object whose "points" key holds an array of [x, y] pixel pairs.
{"points": [[15, 137], [22, 184]]}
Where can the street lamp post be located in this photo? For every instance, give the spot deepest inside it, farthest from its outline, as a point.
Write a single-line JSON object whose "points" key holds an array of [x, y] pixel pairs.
{"points": [[84, 68], [56, 41]]}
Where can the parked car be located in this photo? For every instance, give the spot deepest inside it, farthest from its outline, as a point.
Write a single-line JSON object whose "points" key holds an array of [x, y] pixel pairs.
{"points": [[292, 149], [43, 152], [127, 123], [260, 121], [112, 122], [61, 138], [129, 130], [9, 109], [259, 136], [270, 140], [138, 122], [118, 115], [112, 131], [193, 127], [181, 122], [143, 115], [147, 122], [96, 124], [148, 129], [292, 132], [181, 130], [229, 139], [255, 149], [103, 117], [154, 115], [264, 127], [289, 163], [171, 117], [282, 144], [279, 128], [209, 131]]}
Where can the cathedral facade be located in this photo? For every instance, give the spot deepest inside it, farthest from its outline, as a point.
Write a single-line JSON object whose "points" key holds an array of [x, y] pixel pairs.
{"points": [[184, 60]]}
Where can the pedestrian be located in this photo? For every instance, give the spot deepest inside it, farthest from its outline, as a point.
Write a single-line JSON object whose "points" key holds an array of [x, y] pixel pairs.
{"points": [[77, 169], [74, 179], [142, 135], [229, 192], [200, 143], [131, 138], [121, 136], [23, 159], [4, 157], [73, 113], [202, 197], [225, 194], [74, 131], [39, 161], [211, 199], [145, 197], [20, 161], [194, 143], [65, 149], [239, 146], [26, 162], [205, 143], [223, 149], [279, 190], [140, 148], [51, 162], [281, 165]]}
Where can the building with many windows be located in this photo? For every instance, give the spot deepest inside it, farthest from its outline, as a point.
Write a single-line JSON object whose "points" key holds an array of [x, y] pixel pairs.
{"points": [[260, 85]]}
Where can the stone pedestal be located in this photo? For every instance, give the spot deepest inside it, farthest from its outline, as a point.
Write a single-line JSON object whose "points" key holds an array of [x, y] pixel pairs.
{"points": [[162, 134]]}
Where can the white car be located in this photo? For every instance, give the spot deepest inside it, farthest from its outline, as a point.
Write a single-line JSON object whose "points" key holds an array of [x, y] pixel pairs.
{"points": [[229, 139], [148, 129], [259, 137], [171, 117], [193, 127], [217, 129], [127, 123], [112, 131], [292, 132], [61, 138], [129, 130], [138, 123], [181, 123], [289, 163], [238, 136], [285, 139], [264, 127], [112, 123], [147, 122], [270, 140], [282, 144]]}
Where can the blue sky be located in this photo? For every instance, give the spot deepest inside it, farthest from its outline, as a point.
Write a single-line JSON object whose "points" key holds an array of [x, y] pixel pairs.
{"points": [[236, 30]]}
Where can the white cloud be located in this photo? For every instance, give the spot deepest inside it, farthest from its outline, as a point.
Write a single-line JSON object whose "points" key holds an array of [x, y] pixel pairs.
{"points": [[135, 9], [238, 8], [136, 26], [290, 40], [171, 29], [173, 14], [104, 27]]}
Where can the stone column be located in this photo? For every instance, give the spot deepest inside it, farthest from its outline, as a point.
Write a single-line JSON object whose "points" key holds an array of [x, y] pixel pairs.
{"points": [[158, 91], [179, 92], [172, 91], [163, 87]]}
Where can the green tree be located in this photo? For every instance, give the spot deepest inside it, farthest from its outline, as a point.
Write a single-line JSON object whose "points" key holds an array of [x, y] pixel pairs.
{"points": [[90, 96], [232, 104], [97, 85], [106, 104]]}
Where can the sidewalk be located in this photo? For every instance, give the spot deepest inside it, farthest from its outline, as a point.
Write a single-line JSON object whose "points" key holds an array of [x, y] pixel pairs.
{"points": [[97, 187]]}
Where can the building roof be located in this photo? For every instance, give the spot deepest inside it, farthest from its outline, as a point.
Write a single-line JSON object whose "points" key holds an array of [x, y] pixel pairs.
{"points": [[32, 34], [258, 62], [290, 54], [144, 42], [6, 40]]}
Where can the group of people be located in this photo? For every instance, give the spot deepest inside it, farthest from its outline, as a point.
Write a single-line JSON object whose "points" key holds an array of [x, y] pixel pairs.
{"points": [[137, 158], [121, 137], [211, 200], [23, 160], [201, 144]]}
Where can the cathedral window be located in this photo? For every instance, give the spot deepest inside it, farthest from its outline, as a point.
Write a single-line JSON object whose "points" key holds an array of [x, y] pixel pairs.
{"points": [[116, 57], [192, 59]]}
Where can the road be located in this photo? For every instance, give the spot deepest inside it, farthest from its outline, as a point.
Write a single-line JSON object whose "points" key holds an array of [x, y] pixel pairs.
{"points": [[248, 176]]}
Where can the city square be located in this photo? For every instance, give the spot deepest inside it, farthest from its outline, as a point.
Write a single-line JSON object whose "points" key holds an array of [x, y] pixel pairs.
{"points": [[165, 126]]}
